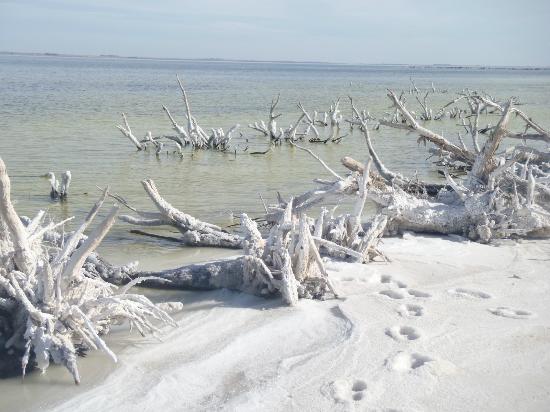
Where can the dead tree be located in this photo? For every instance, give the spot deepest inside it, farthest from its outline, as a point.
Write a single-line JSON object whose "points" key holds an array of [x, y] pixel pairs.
{"points": [[127, 131], [192, 134], [310, 123], [194, 231], [331, 238], [286, 263], [59, 189], [270, 130], [343, 235], [499, 198], [51, 308], [427, 113]]}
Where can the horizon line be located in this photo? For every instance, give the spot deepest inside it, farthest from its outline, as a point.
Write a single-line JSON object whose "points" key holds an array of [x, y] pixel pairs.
{"points": [[219, 59]]}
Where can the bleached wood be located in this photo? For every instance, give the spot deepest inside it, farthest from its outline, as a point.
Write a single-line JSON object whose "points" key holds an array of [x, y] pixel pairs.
{"points": [[332, 172], [253, 243], [337, 248], [24, 256], [51, 320], [485, 163], [194, 231], [74, 265], [413, 125], [127, 131], [182, 136]]}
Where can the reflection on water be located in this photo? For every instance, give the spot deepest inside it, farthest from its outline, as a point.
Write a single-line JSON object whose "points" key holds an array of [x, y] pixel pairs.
{"points": [[60, 114]]}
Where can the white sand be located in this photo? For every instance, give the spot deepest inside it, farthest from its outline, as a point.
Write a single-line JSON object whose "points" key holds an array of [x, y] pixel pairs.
{"points": [[447, 326]]}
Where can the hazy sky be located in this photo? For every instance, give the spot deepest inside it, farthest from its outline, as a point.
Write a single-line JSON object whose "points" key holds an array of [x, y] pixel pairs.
{"points": [[504, 32]]}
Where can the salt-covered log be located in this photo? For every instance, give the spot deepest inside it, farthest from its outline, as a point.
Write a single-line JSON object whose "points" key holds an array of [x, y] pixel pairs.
{"points": [[486, 204], [194, 231], [276, 266]]}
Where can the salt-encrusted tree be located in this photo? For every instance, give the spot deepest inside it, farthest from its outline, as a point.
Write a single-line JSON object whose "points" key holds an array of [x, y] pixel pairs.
{"points": [[192, 134], [51, 307], [504, 194]]}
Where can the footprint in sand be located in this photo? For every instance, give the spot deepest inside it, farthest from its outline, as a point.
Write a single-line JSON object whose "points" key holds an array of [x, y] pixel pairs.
{"points": [[410, 311], [358, 388], [387, 279], [394, 294], [469, 293], [418, 293], [407, 362], [507, 312], [341, 390], [403, 333], [354, 279]]}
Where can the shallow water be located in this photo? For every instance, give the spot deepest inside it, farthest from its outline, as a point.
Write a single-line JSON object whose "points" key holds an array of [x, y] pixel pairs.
{"points": [[59, 113]]}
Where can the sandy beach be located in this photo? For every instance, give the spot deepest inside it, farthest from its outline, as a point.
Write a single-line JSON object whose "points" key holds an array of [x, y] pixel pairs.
{"points": [[448, 325]]}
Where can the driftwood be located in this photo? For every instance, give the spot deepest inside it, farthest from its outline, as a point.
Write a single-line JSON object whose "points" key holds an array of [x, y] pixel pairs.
{"points": [[274, 266], [59, 189], [343, 235], [499, 197], [291, 134], [194, 231], [51, 307], [198, 233], [502, 195], [269, 130], [127, 131], [195, 136], [192, 134]]}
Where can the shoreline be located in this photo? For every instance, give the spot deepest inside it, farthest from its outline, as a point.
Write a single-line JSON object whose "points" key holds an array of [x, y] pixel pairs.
{"points": [[233, 350]]}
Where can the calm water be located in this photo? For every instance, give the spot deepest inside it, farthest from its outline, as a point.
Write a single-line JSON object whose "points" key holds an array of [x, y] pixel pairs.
{"points": [[59, 113]]}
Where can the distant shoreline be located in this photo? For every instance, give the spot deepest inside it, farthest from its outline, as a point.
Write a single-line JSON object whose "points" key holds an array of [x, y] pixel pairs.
{"points": [[220, 60]]}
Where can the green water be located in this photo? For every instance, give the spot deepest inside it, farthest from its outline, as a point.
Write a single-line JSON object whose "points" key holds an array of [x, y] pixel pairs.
{"points": [[59, 113]]}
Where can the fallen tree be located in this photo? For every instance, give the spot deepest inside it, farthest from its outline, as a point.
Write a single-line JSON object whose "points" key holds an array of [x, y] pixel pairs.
{"points": [[286, 264], [500, 197], [503, 195], [194, 231], [264, 270]]}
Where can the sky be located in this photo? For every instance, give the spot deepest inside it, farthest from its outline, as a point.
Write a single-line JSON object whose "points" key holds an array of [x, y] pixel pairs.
{"points": [[468, 32]]}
